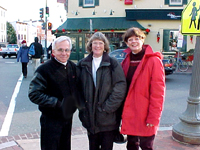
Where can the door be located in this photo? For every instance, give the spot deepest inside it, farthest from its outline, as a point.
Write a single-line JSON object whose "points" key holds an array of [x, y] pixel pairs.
{"points": [[78, 47]]}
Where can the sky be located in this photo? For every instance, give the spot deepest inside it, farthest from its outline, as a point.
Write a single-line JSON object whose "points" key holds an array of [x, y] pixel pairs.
{"points": [[29, 9]]}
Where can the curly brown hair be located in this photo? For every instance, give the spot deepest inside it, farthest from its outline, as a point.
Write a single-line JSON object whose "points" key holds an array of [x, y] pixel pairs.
{"points": [[98, 36]]}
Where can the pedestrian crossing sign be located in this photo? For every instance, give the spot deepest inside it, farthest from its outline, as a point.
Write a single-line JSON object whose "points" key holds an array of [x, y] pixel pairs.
{"points": [[190, 21]]}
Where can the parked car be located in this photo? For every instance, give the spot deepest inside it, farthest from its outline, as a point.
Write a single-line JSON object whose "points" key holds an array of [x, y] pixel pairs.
{"points": [[119, 54], [9, 50]]}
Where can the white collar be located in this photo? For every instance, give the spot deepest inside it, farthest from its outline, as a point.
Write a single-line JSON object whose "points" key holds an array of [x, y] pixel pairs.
{"points": [[65, 63]]}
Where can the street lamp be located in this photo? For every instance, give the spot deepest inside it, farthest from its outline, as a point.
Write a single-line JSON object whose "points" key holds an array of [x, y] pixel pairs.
{"points": [[188, 130]]}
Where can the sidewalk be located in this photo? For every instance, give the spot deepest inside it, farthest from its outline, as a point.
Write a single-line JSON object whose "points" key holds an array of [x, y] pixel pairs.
{"points": [[163, 141]]}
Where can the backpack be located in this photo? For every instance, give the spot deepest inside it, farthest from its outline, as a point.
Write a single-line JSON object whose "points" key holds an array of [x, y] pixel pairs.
{"points": [[32, 50]]}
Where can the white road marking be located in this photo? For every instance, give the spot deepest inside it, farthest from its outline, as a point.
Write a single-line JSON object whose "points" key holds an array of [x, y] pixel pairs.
{"points": [[7, 122], [9, 62]]}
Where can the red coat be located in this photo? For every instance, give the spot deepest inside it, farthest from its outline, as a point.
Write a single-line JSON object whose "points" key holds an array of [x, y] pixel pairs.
{"points": [[145, 98]]}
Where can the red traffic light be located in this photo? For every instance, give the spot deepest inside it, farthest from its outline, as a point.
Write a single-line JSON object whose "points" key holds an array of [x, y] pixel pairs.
{"points": [[49, 26]]}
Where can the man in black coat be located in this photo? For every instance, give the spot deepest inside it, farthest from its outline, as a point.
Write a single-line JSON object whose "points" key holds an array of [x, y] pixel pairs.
{"points": [[54, 89], [39, 52]]}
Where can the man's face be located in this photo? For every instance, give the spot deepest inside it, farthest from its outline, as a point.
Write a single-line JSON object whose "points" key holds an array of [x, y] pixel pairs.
{"points": [[62, 51]]}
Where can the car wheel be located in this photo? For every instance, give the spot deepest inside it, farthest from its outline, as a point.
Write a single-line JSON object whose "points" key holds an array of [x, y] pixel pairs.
{"points": [[3, 56], [9, 56]]}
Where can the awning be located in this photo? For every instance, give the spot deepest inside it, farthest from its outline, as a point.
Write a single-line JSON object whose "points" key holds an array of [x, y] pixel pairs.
{"points": [[100, 24], [153, 14]]}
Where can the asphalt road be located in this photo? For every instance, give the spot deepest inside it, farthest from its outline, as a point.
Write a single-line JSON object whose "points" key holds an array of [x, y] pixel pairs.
{"points": [[26, 115]]}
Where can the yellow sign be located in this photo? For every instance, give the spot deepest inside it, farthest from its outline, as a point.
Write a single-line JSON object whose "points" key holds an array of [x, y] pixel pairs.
{"points": [[190, 22]]}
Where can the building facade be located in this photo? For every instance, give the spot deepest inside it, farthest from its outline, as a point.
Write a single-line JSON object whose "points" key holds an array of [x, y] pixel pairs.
{"points": [[3, 28], [159, 20]]}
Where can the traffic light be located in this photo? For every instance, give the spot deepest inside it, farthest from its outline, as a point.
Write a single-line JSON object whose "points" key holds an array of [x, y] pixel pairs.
{"points": [[41, 12], [49, 26], [43, 25], [47, 11]]}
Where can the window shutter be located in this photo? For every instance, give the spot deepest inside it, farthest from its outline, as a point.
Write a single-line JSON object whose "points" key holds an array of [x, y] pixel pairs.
{"points": [[96, 2], [167, 2], [185, 2], [166, 40], [80, 3]]}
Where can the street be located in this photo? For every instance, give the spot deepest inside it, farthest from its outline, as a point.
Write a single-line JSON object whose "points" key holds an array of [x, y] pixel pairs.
{"points": [[26, 115]]}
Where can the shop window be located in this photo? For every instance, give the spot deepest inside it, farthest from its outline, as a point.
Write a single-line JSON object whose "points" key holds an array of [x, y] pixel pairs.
{"points": [[170, 39], [88, 3]]}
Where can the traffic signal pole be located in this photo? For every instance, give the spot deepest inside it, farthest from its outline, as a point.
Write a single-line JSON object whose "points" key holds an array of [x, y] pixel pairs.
{"points": [[45, 48]]}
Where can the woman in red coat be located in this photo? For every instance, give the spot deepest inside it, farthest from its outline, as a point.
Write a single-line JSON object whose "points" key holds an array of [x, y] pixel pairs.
{"points": [[146, 90]]}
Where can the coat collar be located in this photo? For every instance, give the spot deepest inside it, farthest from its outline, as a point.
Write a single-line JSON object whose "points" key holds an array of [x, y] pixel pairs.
{"points": [[88, 60], [148, 53]]}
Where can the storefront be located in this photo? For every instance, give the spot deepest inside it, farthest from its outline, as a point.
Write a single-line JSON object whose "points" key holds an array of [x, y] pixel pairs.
{"points": [[80, 30]]}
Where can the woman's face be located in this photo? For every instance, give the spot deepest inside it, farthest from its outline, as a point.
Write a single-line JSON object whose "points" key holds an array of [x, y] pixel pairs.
{"points": [[97, 48], [135, 44]]}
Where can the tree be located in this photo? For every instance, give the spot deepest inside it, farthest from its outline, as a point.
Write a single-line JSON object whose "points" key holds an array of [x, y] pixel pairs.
{"points": [[11, 34]]}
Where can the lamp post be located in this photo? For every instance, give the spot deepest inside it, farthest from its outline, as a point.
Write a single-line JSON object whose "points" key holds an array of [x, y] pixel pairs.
{"points": [[188, 130]]}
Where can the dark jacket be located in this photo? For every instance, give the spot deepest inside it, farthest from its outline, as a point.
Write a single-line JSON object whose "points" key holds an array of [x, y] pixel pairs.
{"points": [[103, 101], [22, 54], [53, 88], [38, 49]]}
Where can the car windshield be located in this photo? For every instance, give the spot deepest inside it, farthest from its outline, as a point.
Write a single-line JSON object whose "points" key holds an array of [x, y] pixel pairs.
{"points": [[12, 46], [118, 54]]}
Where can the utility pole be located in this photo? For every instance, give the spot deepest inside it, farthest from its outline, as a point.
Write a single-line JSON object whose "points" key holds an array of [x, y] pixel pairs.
{"points": [[45, 48]]}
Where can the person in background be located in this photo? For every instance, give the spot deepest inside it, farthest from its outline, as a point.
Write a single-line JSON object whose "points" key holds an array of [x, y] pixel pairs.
{"points": [[54, 89], [39, 52], [104, 87], [22, 56], [49, 51], [145, 78]]}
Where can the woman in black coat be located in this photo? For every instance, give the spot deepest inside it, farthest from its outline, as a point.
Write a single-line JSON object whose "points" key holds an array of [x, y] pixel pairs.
{"points": [[104, 87]]}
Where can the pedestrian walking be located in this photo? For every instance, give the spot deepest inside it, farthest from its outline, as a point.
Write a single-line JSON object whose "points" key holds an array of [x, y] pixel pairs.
{"points": [[38, 54], [145, 78], [104, 86], [22, 56], [54, 89]]}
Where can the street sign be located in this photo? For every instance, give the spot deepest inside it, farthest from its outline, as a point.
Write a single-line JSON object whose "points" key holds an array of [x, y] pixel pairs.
{"points": [[190, 21]]}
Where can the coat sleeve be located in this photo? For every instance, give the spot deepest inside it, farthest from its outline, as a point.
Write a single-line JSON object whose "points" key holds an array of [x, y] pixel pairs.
{"points": [[37, 94], [118, 93], [19, 54], [157, 92]]}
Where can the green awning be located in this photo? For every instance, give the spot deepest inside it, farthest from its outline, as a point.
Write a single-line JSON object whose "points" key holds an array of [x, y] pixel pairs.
{"points": [[101, 24]]}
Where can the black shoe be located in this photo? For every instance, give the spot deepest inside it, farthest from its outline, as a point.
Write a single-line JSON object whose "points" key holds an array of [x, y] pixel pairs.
{"points": [[25, 76]]}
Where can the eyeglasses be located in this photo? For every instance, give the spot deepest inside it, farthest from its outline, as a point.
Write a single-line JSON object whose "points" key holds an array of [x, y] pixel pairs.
{"points": [[98, 43], [62, 50]]}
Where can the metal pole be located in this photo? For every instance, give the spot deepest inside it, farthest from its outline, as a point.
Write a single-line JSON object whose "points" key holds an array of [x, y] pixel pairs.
{"points": [[188, 130], [45, 48]]}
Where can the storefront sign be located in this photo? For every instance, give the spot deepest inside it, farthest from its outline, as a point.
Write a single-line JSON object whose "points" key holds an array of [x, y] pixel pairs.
{"points": [[128, 2]]}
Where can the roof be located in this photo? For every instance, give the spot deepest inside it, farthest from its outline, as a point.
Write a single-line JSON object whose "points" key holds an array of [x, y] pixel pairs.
{"points": [[109, 23]]}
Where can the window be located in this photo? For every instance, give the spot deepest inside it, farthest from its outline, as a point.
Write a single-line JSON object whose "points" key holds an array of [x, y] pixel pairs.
{"points": [[170, 39], [176, 2], [88, 3]]}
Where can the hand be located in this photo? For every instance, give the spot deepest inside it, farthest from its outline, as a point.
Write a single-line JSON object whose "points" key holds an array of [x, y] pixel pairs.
{"points": [[149, 125]]}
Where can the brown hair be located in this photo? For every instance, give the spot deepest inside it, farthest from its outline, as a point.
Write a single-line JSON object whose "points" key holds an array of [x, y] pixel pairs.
{"points": [[98, 36], [133, 32]]}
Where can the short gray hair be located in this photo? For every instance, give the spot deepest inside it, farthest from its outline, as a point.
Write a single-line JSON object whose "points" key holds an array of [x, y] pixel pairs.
{"points": [[61, 39]]}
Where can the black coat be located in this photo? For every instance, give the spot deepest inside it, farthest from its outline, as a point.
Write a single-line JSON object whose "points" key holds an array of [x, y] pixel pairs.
{"points": [[54, 89], [103, 101]]}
